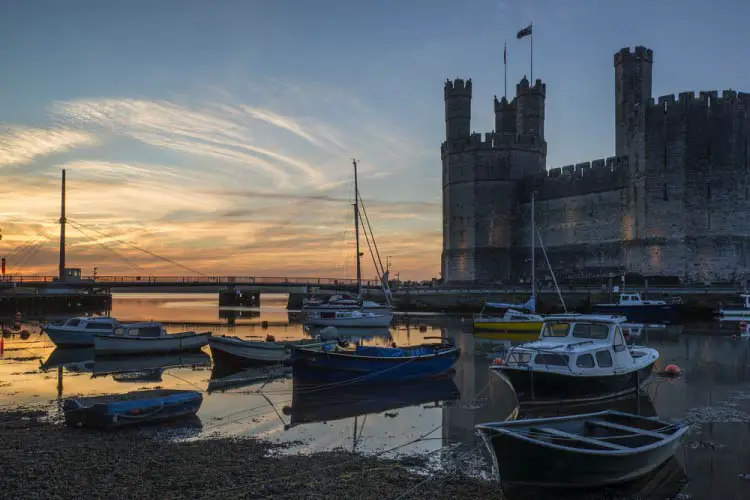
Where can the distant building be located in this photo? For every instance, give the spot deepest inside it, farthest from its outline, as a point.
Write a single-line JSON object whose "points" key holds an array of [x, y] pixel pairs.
{"points": [[674, 201]]}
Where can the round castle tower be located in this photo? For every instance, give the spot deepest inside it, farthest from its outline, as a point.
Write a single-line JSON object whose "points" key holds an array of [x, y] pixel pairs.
{"points": [[481, 175]]}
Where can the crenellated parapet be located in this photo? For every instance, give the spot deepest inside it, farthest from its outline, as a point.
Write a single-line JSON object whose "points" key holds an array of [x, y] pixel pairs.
{"points": [[705, 99], [490, 141], [457, 87], [627, 55], [601, 175]]}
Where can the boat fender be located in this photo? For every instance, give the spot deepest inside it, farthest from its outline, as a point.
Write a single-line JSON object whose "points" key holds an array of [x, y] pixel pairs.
{"points": [[393, 344], [672, 370], [270, 338], [498, 361]]}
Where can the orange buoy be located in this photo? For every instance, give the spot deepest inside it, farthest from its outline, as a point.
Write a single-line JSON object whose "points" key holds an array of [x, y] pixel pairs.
{"points": [[673, 370], [498, 361]]}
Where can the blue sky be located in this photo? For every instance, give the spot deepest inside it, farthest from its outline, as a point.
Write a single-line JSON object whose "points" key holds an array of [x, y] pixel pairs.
{"points": [[226, 128]]}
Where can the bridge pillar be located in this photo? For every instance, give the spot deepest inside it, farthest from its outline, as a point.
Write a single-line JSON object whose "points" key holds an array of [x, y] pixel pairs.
{"points": [[239, 298]]}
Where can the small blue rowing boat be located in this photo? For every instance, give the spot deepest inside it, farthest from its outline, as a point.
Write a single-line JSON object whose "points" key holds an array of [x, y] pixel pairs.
{"points": [[135, 407], [366, 364]]}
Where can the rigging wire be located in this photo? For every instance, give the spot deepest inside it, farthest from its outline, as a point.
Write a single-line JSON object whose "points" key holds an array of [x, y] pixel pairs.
{"points": [[195, 271], [129, 262], [369, 226], [26, 244]]}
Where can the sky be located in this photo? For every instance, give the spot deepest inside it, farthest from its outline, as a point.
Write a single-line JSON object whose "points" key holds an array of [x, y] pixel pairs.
{"points": [[219, 135]]}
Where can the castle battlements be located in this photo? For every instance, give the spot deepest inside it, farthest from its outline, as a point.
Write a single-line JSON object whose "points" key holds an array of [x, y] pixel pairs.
{"points": [[522, 88], [490, 141], [603, 174], [640, 53], [458, 86], [703, 98]]}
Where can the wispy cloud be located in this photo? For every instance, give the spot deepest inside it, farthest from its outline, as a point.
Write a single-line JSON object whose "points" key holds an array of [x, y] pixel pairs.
{"points": [[21, 145]]}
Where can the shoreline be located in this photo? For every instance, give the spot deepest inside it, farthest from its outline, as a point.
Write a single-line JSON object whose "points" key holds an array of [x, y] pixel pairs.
{"points": [[42, 458]]}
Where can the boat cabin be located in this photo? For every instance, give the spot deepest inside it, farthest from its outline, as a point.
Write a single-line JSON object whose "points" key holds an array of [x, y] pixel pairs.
{"points": [[91, 323], [585, 344], [140, 330], [635, 299]]}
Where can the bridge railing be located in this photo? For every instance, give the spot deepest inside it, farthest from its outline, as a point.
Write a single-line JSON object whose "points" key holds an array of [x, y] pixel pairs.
{"points": [[207, 280]]}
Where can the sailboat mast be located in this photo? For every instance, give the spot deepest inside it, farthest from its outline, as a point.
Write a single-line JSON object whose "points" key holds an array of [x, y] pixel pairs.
{"points": [[61, 271], [533, 242], [356, 228]]}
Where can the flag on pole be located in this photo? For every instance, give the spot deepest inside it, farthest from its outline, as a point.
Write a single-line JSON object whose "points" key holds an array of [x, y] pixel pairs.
{"points": [[524, 32]]}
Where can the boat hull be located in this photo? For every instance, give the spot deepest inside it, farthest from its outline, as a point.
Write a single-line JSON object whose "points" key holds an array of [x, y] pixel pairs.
{"points": [[734, 313], [533, 328], [138, 407], [380, 309], [328, 366], [261, 352], [377, 321], [518, 463], [539, 385], [656, 313], [67, 337], [112, 345]]}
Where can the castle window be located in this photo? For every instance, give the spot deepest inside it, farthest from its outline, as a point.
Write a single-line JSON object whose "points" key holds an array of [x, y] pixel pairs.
{"points": [[665, 194]]}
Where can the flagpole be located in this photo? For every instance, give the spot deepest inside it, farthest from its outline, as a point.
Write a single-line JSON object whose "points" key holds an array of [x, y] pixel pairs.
{"points": [[532, 53], [505, 63]]}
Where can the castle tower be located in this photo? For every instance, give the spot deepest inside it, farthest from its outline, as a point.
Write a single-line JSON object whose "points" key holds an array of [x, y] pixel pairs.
{"points": [[505, 119], [632, 96], [530, 110], [457, 109]]}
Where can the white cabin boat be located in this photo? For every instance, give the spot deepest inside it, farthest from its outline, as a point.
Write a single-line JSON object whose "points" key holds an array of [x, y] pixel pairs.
{"points": [[340, 303], [577, 356], [147, 337], [737, 313], [640, 310], [80, 331], [349, 318], [254, 351]]}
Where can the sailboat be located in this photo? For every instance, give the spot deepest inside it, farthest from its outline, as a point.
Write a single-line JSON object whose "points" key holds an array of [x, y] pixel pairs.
{"points": [[519, 321], [341, 312]]}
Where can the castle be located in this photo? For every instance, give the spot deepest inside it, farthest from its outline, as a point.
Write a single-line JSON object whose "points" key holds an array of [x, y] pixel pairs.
{"points": [[674, 201]]}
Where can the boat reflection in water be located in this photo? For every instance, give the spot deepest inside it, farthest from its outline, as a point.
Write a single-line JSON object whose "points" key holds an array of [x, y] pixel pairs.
{"points": [[665, 482], [378, 334], [226, 377], [122, 368], [312, 402]]}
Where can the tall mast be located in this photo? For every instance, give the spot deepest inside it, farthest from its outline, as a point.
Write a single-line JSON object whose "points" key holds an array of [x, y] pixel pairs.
{"points": [[62, 229], [356, 228], [533, 238]]}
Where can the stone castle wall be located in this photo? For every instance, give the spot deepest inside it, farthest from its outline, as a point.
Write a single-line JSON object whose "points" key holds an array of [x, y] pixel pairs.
{"points": [[676, 202]]}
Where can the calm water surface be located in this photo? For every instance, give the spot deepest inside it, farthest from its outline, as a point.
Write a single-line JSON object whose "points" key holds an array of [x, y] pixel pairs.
{"points": [[435, 419]]}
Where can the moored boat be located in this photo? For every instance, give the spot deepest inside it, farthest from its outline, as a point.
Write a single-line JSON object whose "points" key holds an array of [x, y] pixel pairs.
{"points": [[349, 319], [80, 331], [240, 350], [340, 302], [368, 364], [579, 451], [135, 407], [139, 338], [521, 325], [577, 356], [742, 312], [638, 310]]}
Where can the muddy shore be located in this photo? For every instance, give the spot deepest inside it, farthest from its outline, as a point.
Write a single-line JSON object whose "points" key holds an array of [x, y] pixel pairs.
{"points": [[43, 459]]}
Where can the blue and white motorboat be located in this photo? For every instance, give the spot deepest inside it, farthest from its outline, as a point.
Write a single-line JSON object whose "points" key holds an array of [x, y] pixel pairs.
{"points": [[367, 364], [135, 407], [147, 337], [576, 356], [80, 331]]}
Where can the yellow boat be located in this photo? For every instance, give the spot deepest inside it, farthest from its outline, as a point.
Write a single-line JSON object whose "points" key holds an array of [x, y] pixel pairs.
{"points": [[513, 325]]}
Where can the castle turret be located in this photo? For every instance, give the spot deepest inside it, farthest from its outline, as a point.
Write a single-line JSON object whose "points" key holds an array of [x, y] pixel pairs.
{"points": [[457, 109], [505, 118], [530, 110], [632, 96]]}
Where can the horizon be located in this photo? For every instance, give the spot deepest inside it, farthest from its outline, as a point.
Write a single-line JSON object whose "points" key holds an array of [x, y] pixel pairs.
{"points": [[221, 136]]}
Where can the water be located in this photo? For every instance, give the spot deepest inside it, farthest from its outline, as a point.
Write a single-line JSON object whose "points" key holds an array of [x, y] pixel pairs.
{"points": [[435, 420]]}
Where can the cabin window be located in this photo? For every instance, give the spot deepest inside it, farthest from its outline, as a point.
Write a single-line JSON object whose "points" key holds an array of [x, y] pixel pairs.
{"points": [[519, 357], [73, 322], [590, 331], [556, 330], [120, 331], [150, 331], [619, 340], [585, 361], [133, 332], [97, 326], [551, 359], [603, 359]]}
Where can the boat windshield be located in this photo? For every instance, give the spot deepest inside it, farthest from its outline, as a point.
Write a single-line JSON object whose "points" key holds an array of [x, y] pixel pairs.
{"points": [[590, 331], [556, 330]]}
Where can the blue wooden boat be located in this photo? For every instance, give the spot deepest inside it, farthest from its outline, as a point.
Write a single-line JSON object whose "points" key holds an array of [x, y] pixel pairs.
{"points": [[367, 364], [137, 407]]}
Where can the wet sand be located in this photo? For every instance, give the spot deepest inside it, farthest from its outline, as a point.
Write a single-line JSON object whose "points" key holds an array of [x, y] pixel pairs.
{"points": [[43, 459]]}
